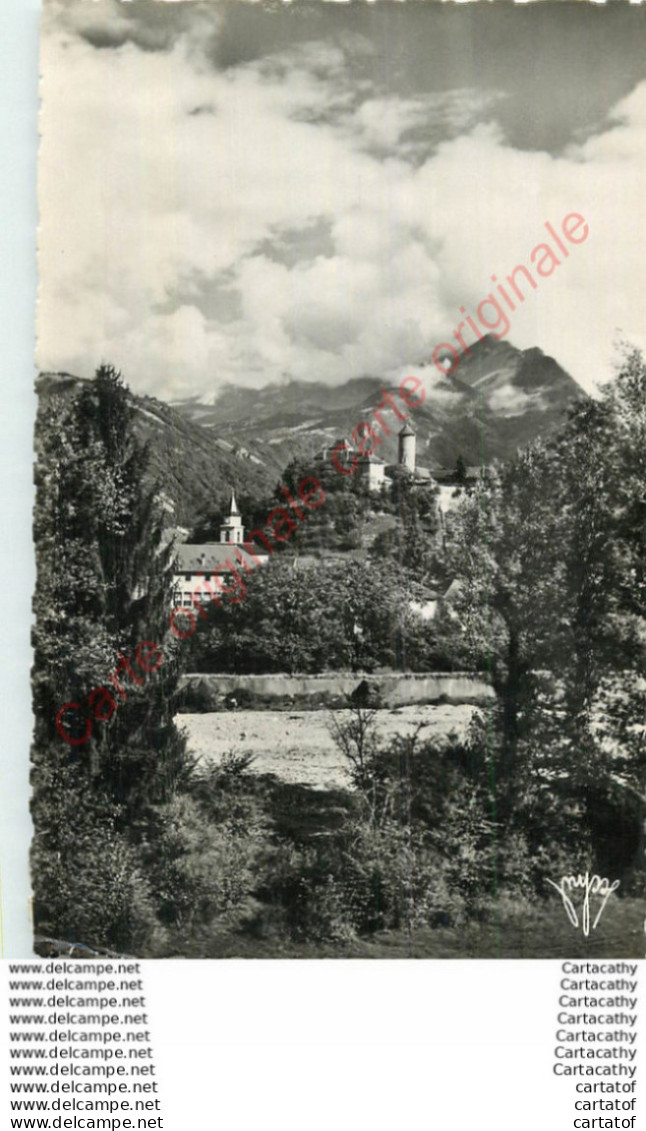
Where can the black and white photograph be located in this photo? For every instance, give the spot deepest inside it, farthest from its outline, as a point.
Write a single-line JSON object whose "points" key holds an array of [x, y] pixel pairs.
{"points": [[339, 624]]}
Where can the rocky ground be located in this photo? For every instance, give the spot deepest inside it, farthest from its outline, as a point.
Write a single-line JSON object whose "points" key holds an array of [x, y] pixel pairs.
{"points": [[299, 748]]}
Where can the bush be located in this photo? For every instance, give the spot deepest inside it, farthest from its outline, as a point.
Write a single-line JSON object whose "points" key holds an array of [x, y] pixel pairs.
{"points": [[209, 848], [304, 896], [395, 879], [89, 882], [362, 880]]}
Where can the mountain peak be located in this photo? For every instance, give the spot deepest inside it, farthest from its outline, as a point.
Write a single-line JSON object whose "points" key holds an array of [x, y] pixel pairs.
{"points": [[497, 398]]}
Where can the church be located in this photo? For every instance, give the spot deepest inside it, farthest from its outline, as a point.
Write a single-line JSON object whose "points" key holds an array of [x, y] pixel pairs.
{"points": [[214, 562]]}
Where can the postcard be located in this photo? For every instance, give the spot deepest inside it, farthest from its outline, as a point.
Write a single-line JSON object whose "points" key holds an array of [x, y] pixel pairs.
{"points": [[340, 472]]}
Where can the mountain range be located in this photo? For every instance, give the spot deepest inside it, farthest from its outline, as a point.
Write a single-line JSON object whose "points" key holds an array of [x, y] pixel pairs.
{"points": [[496, 399]]}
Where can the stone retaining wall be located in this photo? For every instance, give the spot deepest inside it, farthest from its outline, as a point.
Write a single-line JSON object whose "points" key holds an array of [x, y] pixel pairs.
{"points": [[395, 689]]}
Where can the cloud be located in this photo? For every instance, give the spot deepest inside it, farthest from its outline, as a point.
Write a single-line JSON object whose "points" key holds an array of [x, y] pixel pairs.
{"points": [[151, 25], [435, 384], [510, 401], [413, 127], [282, 219]]}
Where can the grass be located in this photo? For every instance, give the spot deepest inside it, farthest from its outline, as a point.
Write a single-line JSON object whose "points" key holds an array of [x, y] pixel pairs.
{"points": [[540, 932]]}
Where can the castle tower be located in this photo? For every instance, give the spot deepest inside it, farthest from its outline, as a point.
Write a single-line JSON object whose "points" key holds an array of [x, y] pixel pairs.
{"points": [[407, 441], [232, 529]]}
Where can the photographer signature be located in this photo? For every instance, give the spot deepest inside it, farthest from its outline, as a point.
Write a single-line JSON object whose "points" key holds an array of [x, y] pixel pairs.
{"points": [[589, 885]]}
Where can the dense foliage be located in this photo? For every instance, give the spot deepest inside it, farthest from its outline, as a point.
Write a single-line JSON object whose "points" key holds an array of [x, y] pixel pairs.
{"points": [[550, 559], [104, 583], [328, 615], [138, 850]]}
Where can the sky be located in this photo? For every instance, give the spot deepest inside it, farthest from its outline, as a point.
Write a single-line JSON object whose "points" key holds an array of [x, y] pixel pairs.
{"points": [[252, 193]]}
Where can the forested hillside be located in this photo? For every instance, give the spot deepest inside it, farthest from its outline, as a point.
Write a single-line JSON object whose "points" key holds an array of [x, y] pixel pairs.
{"points": [[196, 469]]}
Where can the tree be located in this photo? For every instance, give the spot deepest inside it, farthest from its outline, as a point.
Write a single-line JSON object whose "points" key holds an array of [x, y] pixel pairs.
{"points": [[602, 472], [550, 558], [104, 586], [412, 543], [104, 577], [509, 572], [295, 619]]}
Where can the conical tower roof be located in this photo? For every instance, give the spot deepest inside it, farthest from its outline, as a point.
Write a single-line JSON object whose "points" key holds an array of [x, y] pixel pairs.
{"points": [[408, 429], [233, 509]]}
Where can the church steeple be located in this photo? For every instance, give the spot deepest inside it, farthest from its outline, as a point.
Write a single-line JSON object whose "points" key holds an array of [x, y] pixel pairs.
{"points": [[232, 529]]}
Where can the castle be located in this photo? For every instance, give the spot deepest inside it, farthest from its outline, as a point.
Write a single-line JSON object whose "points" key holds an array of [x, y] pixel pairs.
{"points": [[370, 469], [225, 562]]}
